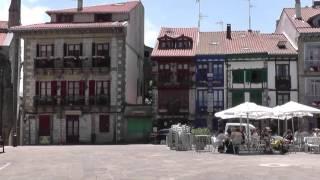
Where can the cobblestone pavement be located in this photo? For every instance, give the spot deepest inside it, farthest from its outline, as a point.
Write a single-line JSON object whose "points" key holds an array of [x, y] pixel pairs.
{"points": [[148, 162]]}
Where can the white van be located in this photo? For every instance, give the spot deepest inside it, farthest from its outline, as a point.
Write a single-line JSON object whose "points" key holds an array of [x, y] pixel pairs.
{"points": [[237, 125]]}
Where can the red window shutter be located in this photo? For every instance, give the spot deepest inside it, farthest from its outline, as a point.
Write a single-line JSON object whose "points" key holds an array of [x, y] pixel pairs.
{"points": [[81, 47], [81, 89], [64, 49], [92, 87], [37, 88], [63, 88], [44, 125], [53, 88]]}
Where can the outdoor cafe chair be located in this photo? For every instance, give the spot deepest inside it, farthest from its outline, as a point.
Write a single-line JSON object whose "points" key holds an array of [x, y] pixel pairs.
{"points": [[312, 144]]}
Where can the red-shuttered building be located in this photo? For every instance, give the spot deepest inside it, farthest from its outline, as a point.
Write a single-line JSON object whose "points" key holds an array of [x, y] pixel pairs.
{"points": [[81, 71], [174, 76]]}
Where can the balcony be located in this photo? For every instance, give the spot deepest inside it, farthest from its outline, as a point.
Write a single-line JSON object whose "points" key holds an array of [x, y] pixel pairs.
{"points": [[99, 100], [312, 65], [45, 62], [100, 61], [283, 82], [174, 108], [72, 62], [45, 101], [313, 100], [73, 101]]}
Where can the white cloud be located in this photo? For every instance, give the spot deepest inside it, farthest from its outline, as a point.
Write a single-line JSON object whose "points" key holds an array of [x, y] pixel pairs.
{"points": [[29, 15], [33, 15], [151, 33]]}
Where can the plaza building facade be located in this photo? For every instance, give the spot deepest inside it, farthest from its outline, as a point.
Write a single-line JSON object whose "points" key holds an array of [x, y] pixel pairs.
{"points": [[174, 76], [301, 27], [81, 72]]}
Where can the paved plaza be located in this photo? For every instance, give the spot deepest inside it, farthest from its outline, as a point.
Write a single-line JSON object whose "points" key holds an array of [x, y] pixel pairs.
{"points": [[140, 162]]}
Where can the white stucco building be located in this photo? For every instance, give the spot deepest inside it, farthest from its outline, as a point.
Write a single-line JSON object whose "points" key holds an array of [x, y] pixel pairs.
{"points": [[81, 70]]}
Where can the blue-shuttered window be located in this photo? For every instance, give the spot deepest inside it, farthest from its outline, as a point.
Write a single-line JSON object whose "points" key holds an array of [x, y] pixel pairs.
{"points": [[218, 99], [202, 71], [217, 71], [202, 100]]}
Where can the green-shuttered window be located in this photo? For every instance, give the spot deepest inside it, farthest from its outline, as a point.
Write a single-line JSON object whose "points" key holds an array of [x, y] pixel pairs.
{"points": [[237, 98], [256, 75], [256, 97], [238, 76]]}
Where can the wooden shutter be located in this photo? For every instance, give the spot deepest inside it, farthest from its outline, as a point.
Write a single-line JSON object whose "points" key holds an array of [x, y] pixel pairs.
{"points": [[237, 97], [53, 88], [92, 87], [63, 88], [81, 88], [37, 88], [38, 50], [104, 123]]}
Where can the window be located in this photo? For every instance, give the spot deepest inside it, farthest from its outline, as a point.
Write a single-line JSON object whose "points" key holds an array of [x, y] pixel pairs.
{"points": [[64, 18], [46, 88], [256, 97], [183, 72], [45, 50], [103, 17], [100, 49], [73, 50], [165, 73], [75, 88], [314, 88], [104, 123], [218, 71], [202, 71], [282, 70], [175, 99], [283, 98], [202, 98], [313, 52], [166, 44], [238, 76], [183, 44], [102, 87], [256, 75], [218, 99]]}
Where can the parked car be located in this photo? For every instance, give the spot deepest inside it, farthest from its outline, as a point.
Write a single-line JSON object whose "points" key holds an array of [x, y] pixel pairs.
{"points": [[159, 137], [237, 125]]}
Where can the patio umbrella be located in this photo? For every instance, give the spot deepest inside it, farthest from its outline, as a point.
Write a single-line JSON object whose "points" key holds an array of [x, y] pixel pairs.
{"points": [[293, 109], [246, 110]]}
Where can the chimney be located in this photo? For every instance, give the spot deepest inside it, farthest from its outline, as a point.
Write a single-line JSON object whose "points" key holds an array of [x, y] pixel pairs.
{"points": [[15, 13], [80, 5], [298, 10], [228, 31]]}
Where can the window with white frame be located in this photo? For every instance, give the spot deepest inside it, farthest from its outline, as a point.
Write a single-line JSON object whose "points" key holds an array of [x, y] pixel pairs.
{"points": [[45, 88], [314, 88]]}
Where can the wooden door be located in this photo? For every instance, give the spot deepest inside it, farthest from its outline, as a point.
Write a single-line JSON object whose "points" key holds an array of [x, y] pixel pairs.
{"points": [[72, 129]]}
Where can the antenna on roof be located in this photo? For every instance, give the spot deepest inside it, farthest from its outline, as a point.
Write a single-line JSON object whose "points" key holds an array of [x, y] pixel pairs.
{"points": [[250, 8], [201, 16], [221, 23]]}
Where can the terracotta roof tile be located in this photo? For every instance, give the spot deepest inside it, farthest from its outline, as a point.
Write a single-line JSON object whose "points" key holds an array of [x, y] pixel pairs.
{"points": [[60, 26], [242, 42], [302, 25], [175, 32], [108, 8]]}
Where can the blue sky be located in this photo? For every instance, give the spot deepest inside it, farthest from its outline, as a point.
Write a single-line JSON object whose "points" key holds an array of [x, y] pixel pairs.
{"points": [[176, 13]]}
